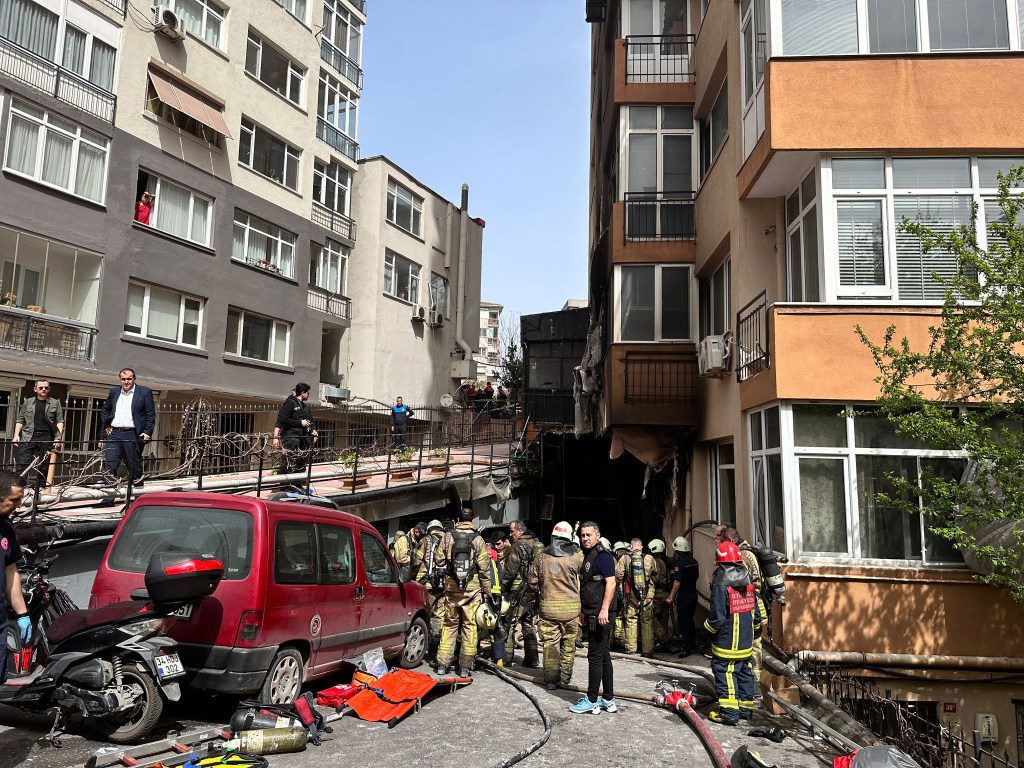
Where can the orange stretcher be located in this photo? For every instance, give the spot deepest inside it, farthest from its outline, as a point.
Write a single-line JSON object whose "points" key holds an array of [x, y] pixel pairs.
{"points": [[392, 696]]}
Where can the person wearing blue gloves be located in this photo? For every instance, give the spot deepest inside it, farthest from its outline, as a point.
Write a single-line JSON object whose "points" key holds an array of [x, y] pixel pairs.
{"points": [[12, 490]]}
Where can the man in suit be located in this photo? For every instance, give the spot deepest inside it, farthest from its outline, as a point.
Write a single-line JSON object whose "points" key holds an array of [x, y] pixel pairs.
{"points": [[129, 417]]}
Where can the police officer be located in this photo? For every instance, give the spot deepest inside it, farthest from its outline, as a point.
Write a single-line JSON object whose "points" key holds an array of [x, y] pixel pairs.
{"points": [[555, 577], [664, 625], [621, 556], [467, 581], [637, 571], [685, 572], [524, 549], [399, 418], [735, 617], [431, 575], [407, 551], [12, 490], [598, 602]]}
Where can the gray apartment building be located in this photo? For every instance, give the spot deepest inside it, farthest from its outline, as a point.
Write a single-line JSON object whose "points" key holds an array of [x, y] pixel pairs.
{"points": [[242, 122]]}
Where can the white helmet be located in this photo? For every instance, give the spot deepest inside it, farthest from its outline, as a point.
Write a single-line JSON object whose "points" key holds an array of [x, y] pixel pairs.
{"points": [[656, 546], [621, 546], [606, 544], [485, 616], [680, 544], [562, 531], [575, 539], [435, 525]]}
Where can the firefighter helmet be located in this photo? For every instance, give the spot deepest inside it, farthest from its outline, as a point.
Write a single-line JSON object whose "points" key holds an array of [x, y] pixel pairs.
{"points": [[435, 525], [680, 544], [562, 531], [606, 544], [728, 552], [485, 616], [656, 546]]}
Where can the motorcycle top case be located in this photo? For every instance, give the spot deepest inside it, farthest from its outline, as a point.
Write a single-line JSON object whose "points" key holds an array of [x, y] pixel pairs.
{"points": [[181, 576]]}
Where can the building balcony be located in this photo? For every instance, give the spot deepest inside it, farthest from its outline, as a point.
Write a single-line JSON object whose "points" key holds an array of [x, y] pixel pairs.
{"points": [[332, 304], [330, 135], [121, 6], [25, 331], [36, 72], [659, 216], [647, 228], [333, 221], [653, 69], [938, 103], [341, 63], [651, 385]]}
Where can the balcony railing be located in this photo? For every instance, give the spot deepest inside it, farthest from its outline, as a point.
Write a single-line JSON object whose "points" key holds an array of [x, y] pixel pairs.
{"points": [[335, 138], [653, 379], [659, 58], [345, 66], [338, 223], [121, 6], [45, 336], [752, 338], [329, 303], [36, 72], [359, 5], [659, 216]]}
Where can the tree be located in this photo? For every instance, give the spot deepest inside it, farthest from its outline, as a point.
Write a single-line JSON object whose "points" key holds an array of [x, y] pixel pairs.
{"points": [[964, 391], [511, 369]]}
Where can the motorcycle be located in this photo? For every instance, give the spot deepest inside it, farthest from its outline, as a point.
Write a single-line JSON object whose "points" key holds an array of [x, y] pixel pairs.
{"points": [[114, 666]]}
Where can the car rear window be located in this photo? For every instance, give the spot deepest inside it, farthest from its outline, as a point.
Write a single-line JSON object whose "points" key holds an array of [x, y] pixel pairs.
{"points": [[225, 534]]}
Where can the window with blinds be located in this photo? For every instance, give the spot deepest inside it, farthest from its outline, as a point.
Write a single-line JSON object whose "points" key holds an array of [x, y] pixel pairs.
{"points": [[921, 274], [861, 244], [819, 27]]}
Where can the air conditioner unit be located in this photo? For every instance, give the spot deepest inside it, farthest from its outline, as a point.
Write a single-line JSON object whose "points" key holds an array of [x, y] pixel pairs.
{"points": [[330, 392], [713, 356], [168, 23], [419, 313], [436, 319]]}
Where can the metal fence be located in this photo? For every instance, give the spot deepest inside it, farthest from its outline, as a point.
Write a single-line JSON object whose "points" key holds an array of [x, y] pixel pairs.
{"points": [[336, 139], [660, 216], [659, 58], [342, 63], [912, 726], [652, 380], [753, 345], [45, 337], [334, 221], [330, 303]]}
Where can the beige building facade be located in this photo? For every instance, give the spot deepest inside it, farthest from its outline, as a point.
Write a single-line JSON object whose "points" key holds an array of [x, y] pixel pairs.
{"points": [[489, 358]]}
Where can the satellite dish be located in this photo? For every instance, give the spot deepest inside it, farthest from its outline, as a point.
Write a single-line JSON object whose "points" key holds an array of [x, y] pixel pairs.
{"points": [[447, 401]]}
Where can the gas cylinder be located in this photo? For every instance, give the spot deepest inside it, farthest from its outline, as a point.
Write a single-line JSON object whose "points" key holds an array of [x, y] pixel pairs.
{"points": [[269, 741]]}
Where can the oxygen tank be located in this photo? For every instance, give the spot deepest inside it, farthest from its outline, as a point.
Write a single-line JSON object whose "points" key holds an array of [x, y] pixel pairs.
{"points": [[771, 574], [269, 741], [253, 719], [639, 580]]}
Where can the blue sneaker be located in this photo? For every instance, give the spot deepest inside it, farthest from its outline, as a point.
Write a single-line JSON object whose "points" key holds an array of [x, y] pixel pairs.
{"points": [[585, 706], [608, 705]]}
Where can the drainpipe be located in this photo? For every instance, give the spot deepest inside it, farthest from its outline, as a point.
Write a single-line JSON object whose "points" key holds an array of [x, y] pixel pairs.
{"points": [[460, 319], [963, 663]]}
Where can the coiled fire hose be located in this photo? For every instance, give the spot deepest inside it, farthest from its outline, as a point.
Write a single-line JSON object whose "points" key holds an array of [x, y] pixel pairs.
{"points": [[504, 675]]}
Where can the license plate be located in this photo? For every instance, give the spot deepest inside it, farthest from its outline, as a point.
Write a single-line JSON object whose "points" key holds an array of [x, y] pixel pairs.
{"points": [[184, 613], [169, 665]]}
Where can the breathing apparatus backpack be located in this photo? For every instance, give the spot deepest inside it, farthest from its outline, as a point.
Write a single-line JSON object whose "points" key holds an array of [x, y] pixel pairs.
{"points": [[773, 584], [638, 577], [462, 562]]}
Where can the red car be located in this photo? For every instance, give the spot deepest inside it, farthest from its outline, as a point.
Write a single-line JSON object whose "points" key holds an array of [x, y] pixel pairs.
{"points": [[304, 589]]}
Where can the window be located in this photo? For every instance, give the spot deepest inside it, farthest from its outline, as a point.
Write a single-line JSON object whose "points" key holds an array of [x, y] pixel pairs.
{"points": [[819, 27], [262, 244], [713, 130], [272, 68], [342, 29], [659, 172], [202, 18], [716, 302], [31, 26], [162, 314], [439, 294], [379, 568], [268, 155], [337, 555], [9, 403], [256, 337], [401, 277], [405, 209], [57, 152], [802, 241], [337, 105], [328, 268], [754, 30], [206, 121], [892, 26], [177, 210], [296, 8], [654, 303], [331, 185], [957, 25], [658, 17], [766, 477], [89, 57], [295, 553], [722, 483]]}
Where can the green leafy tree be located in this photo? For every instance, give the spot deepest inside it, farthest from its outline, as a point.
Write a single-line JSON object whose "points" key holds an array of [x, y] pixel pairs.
{"points": [[964, 391], [512, 369]]}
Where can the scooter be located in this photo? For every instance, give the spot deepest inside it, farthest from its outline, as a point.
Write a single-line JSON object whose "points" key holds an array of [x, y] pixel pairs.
{"points": [[112, 667]]}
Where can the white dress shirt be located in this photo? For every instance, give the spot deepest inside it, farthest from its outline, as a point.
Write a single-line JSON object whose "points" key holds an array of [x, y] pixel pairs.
{"points": [[123, 411]]}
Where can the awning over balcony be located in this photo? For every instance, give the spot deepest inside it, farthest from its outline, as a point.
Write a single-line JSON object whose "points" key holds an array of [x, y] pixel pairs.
{"points": [[179, 96]]}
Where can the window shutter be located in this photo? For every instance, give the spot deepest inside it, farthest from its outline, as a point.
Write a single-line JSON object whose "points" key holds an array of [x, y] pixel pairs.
{"points": [[861, 253], [818, 27], [917, 270]]}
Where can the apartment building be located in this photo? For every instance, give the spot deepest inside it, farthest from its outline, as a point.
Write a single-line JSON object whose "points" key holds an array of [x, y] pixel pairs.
{"points": [[750, 162], [489, 358]]}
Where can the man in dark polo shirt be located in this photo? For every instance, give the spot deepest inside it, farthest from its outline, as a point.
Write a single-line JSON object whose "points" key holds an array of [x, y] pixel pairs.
{"points": [[598, 602], [12, 489]]}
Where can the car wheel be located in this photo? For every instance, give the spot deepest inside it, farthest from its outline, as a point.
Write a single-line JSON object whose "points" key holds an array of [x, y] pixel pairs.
{"points": [[416, 641], [284, 678]]}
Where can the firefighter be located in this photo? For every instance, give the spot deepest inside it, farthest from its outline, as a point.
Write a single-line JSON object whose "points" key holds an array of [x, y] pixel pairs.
{"points": [[735, 617], [515, 587], [494, 631], [406, 551], [664, 626], [685, 572], [391, 544], [636, 570], [621, 555], [754, 569], [467, 579], [555, 577], [431, 576]]}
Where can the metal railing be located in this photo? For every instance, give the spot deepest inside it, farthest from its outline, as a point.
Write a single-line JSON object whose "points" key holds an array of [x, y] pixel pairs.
{"points": [[659, 58], [44, 336], [36, 72], [660, 216], [342, 63], [753, 345], [330, 303], [336, 222], [655, 380], [909, 725], [121, 6], [335, 138], [549, 407]]}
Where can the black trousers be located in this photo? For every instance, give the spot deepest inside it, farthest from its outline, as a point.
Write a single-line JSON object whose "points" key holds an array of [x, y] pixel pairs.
{"points": [[400, 435], [29, 452], [295, 462], [686, 606], [123, 445], [599, 658]]}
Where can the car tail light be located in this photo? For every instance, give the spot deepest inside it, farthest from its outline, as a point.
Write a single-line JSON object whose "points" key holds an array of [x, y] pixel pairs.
{"points": [[248, 633], [193, 566]]}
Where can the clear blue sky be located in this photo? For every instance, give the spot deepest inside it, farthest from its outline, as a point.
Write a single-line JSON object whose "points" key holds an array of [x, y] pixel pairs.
{"points": [[493, 93]]}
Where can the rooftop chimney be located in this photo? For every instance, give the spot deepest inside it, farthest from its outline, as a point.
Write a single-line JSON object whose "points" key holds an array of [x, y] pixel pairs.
{"points": [[465, 197]]}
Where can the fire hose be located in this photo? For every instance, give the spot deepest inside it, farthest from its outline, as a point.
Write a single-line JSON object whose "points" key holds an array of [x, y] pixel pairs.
{"points": [[507, 677], [683, 703]]}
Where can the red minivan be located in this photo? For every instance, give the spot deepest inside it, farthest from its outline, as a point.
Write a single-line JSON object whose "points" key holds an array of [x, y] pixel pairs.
{"points": [[304, 589]]}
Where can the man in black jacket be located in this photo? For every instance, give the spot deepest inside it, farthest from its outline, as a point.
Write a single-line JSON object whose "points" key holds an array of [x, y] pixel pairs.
{"points": [[294, 430]]}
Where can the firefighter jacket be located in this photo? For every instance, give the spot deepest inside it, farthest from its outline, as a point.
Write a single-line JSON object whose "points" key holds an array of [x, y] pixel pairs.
{"points": [[522, 553], [428, 570], [736, 613], [661, 574], [555, 576], [480, 579], [407, 554], [635, 571], [753, 566]]}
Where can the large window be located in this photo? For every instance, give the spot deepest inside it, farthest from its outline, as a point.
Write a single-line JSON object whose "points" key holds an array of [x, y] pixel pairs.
{"points": [[262, 244], [337, 105], [766, 478], [754, 31], [716, 301], [722, 482], [713, 131], [203, 18], [659, 149], [331, 185], [56, 152], [177, 210], [802, 241], [268, 155], [405, 209], [658, 17], [272, 68], [342, 29], [439, 293], [401, 277], [162, 314], [256, 337], [328, 267], [655, 302]]}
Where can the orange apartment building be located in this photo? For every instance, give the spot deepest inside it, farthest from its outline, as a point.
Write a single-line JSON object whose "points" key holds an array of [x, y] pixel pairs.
{"points": [[750, 160]]}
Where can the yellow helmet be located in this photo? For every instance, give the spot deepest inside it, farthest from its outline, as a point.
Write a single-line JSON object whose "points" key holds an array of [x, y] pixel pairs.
{"points": [[621, 546], [656, 546], [485, 617], [680, 544], [435, 525]]}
